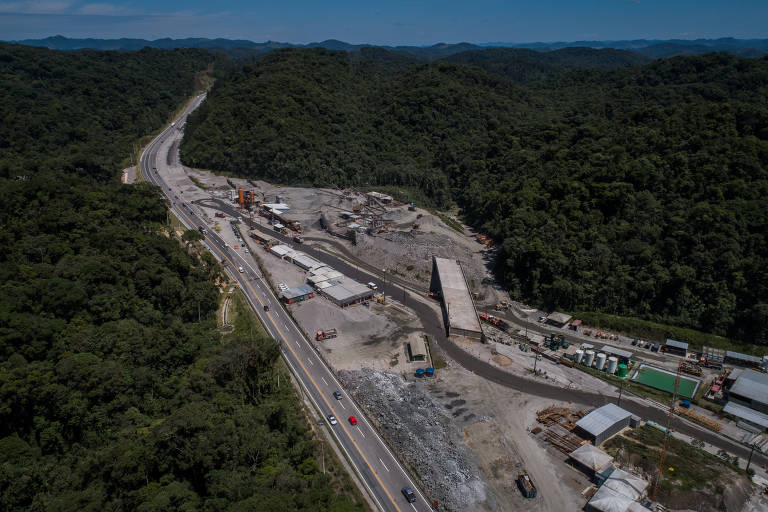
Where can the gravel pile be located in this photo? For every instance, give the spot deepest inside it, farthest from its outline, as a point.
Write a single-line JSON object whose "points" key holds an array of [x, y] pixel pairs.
{"points": [[422, 432]]}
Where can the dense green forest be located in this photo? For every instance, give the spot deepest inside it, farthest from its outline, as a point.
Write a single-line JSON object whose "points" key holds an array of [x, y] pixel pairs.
{"points": [[522, 65], [82, 111], [116, 390], [638, 191]]}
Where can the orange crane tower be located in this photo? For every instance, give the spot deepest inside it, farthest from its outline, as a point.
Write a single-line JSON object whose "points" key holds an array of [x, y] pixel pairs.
{"points": [[666, 434]]}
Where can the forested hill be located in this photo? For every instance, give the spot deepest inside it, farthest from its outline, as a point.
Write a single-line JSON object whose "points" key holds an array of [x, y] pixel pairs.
{"points": [[637, 191], [522, 65], [116, 390], [81, 111]]}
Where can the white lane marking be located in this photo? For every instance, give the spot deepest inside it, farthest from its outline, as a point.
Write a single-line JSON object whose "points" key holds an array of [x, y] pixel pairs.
{"points": [[342, 405], [326, 382], [297, 344], [361, 432], [414, 506], [310, 362], [382, 463]]}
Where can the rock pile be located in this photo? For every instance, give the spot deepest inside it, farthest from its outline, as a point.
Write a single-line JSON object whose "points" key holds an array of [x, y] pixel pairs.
{"points": [[421, 431]]}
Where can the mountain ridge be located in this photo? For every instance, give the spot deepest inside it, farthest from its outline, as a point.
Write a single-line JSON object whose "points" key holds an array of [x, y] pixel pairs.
{"points": [[655, 48]]}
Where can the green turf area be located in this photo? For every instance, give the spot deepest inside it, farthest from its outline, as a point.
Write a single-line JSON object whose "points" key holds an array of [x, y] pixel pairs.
{"points": [[665, 381]]}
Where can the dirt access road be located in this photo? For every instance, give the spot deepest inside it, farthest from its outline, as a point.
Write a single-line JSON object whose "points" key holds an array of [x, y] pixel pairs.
{"points": [[433, 326]]}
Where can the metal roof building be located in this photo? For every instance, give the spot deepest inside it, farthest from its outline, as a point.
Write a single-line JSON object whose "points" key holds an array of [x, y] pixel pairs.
{"points": [[297, 294], [458, 309], [751, 390], [603, 423], [620, 493], [744, 413], [743, 359], [558, 319], [675, 347], [592, 458], [345, 291], [623, 355]]}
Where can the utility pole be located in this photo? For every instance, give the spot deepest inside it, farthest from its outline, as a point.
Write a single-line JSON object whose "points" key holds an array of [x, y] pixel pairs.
{"points": [[749, 461], [621, 388]]}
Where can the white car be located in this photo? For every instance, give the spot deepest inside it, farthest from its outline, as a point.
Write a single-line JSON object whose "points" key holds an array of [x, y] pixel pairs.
{"points": [[247, 251], [332, 419], [372, 286], [241, 269]]}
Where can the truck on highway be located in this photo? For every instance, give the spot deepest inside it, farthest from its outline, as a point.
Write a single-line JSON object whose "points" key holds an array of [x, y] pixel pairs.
{"points": [[326, 334]]}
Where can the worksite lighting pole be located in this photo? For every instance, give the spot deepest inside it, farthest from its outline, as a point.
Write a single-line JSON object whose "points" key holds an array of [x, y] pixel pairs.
{"points": [[749, 461], [621, 388]]}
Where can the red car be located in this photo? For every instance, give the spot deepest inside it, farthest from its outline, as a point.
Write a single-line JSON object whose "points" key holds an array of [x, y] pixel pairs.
{"points": [[352, 420]]}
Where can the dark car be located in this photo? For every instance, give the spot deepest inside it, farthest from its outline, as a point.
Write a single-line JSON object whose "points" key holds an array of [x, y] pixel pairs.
{"points": [[409, 494], [337, 395], [266, 308]]}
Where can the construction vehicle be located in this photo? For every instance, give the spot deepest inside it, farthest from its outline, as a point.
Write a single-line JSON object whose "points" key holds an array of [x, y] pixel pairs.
{"points": [[709, 363], [691, 368], [526, 485], [326, 334], [503, 306], [220, 215], [411, 207], [494, 321]]}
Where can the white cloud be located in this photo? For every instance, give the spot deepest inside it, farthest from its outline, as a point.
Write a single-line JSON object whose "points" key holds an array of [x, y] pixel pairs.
{"points": [[105, 9], [36, 6]]}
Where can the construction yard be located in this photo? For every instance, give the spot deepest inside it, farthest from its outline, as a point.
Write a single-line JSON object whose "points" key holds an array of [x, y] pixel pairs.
{"points": [[466, 438]]}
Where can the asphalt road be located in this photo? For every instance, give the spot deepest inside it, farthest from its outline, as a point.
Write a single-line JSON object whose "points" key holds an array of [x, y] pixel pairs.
{"points": [[374, 462], [433, 325]]}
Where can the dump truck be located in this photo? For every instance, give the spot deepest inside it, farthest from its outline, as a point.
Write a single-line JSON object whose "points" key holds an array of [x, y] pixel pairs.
{"points": [[526, 485], [326, 334]]}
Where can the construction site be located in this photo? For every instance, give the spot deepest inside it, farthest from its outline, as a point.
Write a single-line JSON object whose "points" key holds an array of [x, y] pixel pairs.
{"points": [[315, 246]]}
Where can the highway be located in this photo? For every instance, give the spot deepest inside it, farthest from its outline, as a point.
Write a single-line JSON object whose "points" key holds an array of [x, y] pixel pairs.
{"points": [[372, 459], [433, 325]]}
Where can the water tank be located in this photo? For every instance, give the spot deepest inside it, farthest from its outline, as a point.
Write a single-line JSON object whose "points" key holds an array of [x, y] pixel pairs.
{"points": [[613, 362], [600, 361], [578, 356], [590, 357], [622, 371]]}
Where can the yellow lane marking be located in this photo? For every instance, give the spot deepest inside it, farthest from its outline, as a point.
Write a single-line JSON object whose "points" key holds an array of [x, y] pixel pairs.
{"points": [[306, 372]]}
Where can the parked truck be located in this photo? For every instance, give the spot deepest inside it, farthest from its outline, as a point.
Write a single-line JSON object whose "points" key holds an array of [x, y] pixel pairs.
{"points": [[494, 321], [526, 485], [326, 334]]}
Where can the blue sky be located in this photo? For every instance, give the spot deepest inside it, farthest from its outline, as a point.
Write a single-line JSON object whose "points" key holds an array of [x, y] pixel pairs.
{"points": [[387, 22]]}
